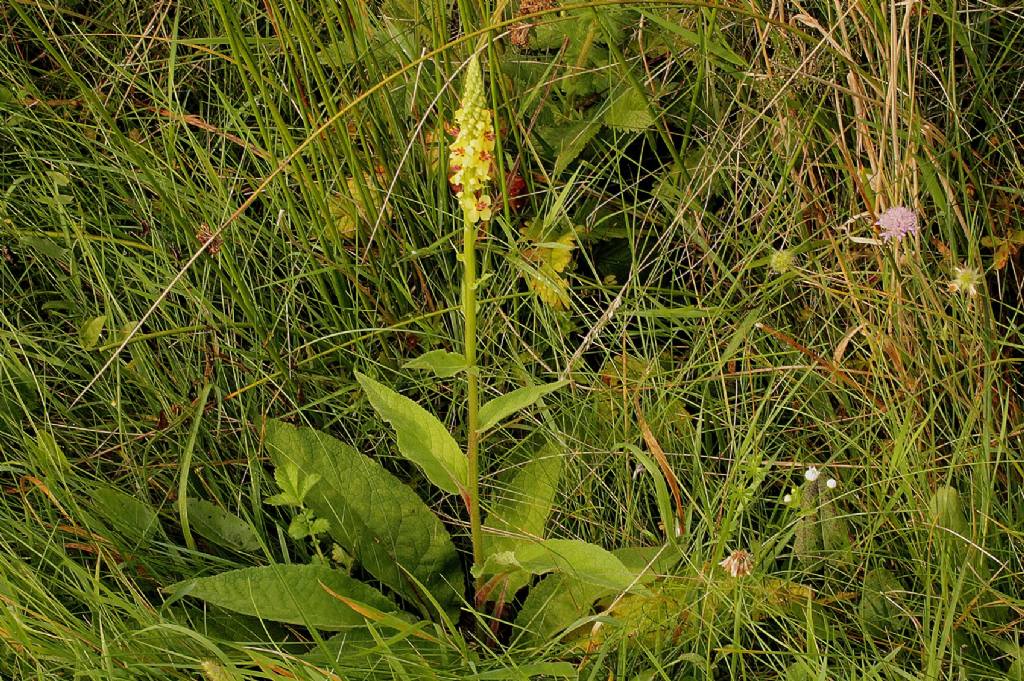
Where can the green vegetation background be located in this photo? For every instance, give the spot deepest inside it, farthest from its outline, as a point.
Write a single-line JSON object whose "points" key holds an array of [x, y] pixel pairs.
{"points": [[683, 230]]}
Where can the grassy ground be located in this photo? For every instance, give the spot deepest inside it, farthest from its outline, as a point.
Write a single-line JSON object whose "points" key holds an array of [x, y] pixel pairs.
{"points": [[716, 170]]}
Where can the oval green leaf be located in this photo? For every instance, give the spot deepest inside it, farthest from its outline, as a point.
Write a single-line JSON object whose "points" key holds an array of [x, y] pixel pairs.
{"points": [[422, 438], [135, 520], [372, 514], [221, 527], [89, 333]]}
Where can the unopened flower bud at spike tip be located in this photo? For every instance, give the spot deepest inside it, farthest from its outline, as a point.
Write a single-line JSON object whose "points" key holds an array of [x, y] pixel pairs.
{"points": [[473, 89]]}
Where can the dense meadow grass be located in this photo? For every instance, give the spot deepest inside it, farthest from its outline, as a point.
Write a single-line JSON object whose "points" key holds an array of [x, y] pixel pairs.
{"points": [[798, 431]]}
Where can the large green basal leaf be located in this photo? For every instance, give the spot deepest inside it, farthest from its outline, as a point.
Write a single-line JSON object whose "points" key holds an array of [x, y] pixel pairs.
{"points": [[294, 594], [554, 604], [524, 505], [372, 514]]}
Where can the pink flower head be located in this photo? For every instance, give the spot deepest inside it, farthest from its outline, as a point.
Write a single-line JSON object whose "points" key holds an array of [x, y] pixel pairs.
{"points": [[739, 563], [897, 222]]}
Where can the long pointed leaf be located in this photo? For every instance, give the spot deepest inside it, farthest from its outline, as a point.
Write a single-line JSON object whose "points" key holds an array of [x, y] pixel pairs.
{"points": [[422, 439], [578, 559], [444, 364], [501, 407]]}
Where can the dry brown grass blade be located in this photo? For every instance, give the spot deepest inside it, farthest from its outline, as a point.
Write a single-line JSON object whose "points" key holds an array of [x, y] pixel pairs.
{"points": [[659, 455], [374, 614], [199, 123], [830, 367]]}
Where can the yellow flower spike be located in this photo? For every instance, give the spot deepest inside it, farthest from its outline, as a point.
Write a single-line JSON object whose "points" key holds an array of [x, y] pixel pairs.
{"points": [[470, 160]]}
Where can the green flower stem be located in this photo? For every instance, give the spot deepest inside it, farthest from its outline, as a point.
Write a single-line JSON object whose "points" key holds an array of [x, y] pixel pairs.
{"points": [[470, 169], [473, 393]]}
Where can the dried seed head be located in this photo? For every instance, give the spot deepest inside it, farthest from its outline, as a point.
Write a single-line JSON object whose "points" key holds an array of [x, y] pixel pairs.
{"points": [[520, 33], [966, 280], [206, 235]]}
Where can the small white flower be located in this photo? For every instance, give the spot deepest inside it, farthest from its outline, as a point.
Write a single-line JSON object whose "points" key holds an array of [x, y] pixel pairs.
{"points": [[812, 474], [788, 498], [831, 483]]}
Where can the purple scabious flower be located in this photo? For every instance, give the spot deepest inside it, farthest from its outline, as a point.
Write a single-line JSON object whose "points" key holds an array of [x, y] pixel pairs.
{"points": [[897, 222]]}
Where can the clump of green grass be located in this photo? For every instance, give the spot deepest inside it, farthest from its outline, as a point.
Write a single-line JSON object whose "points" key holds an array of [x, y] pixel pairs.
{"points": [[672, 152]]}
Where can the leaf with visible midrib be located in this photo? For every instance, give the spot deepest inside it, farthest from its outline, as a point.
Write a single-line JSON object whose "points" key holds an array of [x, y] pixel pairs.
{"points": [[422, 439], [288, 593], [372, 514]]}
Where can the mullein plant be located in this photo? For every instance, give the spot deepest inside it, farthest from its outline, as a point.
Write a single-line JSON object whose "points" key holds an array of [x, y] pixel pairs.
{"points": [[380, 523], [470, 173], [822, 533]]}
